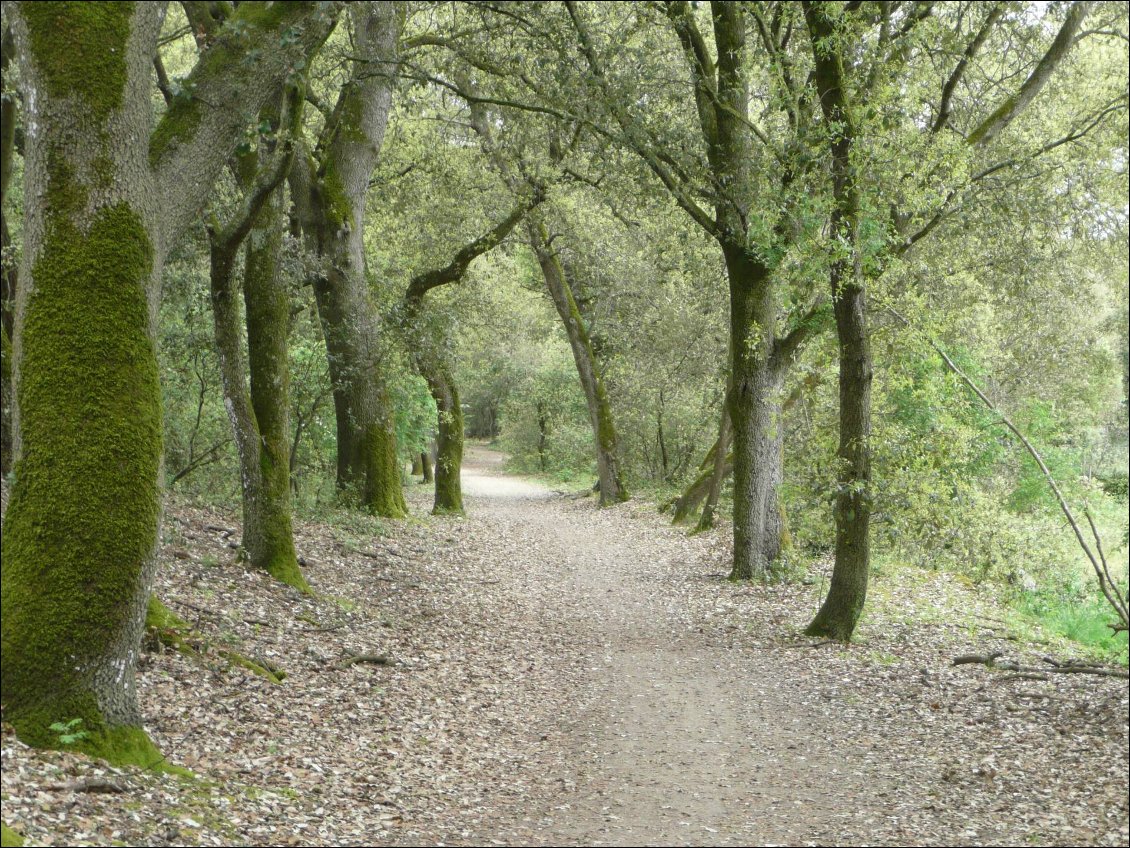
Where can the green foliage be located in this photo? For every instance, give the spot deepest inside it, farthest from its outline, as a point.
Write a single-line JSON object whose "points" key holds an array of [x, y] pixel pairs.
{"points": [[1080, 614], [69, 732]]}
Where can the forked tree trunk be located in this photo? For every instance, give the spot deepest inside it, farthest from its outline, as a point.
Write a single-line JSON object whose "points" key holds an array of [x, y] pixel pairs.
{"points": [[329, 198], [612, 488], [105, 198]]}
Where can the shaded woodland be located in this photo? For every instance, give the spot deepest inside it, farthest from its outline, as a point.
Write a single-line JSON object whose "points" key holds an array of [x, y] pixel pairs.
{"points": [[821, 293]]}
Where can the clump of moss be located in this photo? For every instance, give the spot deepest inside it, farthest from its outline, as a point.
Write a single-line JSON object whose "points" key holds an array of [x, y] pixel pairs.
{"points": [[9, 838], [80, 50]]}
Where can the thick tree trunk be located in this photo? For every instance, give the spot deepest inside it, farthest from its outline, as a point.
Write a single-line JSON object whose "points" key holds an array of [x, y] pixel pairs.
{"points": [[81, 528], [612, 488], [755, 414], [105, 198], [330, 199], [426, 467]]}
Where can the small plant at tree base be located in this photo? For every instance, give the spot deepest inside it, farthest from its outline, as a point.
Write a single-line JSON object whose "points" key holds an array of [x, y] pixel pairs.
{"points": [[69, 732]]}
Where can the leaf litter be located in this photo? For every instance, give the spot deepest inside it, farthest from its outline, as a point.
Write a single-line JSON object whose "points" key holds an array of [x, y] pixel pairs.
{"points": [[546, 672]]}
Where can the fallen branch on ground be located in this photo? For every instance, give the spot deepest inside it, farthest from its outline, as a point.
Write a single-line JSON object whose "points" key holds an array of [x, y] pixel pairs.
{"points": [[372, 659], [990, 660]]}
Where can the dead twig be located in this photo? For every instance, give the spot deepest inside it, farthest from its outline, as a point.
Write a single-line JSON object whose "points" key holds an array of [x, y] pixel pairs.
{"points": [[372, 659], [990, 660]]}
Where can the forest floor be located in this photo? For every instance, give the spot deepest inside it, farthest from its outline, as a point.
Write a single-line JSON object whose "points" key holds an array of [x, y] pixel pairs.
{"points": [[555, 673]]}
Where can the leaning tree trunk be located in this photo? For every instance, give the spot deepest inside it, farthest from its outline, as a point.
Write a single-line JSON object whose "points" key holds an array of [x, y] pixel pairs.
{"points": [[427, 345], [612, 488], [330, 200], [105, 198]]}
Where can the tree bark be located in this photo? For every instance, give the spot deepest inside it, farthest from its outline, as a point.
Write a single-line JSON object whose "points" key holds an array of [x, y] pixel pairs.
{"points": [[755, 413], [719, 469], [428, 473], [105, 201], [612, 488], [847, 593], [8, 116], [257, 387], [329, 194], [449, 440]]}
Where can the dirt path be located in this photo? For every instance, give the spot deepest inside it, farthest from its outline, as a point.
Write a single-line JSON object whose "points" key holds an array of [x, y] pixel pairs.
{"points": [[557, 674], [674, 740]]}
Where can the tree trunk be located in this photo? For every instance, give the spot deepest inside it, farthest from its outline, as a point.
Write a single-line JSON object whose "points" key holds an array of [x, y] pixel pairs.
{"points": [[8, 114], [612, 488], [449, 440], [719, 469], [105, 198], [426, 467], [268, 535], [848, 590], [543, 436], [755, 414], [330, 201], [417, 465], [78, 548]]}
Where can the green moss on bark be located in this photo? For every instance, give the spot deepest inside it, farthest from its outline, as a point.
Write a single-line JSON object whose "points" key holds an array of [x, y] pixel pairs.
{"points": [[383, 494], [80, 50], [85, 502], [176, 126], [335, 200], [232, 48]]}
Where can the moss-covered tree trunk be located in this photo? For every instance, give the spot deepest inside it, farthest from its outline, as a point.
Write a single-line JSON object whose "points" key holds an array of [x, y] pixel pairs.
{"points": [[105, 199], [81, 529], [449, 440], [257, 388], [612, 488], [329, 193], [268, 534]]}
